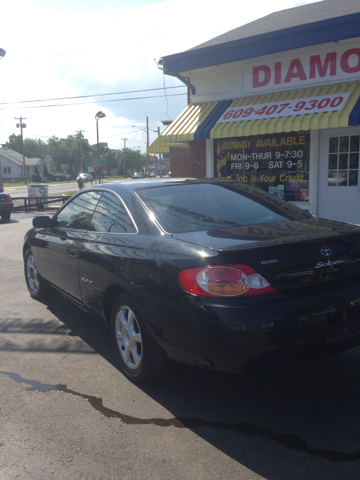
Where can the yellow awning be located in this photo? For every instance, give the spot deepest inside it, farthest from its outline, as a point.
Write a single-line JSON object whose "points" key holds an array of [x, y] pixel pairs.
{"points": [[183, 128], [156, 146], [294, 123]]}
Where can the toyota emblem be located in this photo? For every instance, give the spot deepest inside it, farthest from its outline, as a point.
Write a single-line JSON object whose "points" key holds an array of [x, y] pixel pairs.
{"points": [[326, 251]]}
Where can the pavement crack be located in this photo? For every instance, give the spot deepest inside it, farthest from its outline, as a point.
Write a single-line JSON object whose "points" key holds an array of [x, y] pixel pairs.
{"points": [[245, 428]]}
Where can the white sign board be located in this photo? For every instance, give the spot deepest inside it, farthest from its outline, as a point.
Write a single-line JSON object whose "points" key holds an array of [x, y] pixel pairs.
{"points": [[38, 191], [285, 108]]}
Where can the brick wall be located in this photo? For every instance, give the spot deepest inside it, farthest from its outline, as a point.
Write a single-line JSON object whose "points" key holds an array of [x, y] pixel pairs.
{"points": [[179, 161], [189, 162]]}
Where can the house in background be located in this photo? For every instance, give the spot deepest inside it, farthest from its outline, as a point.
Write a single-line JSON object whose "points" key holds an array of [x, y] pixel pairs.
{"points": [[12, 167]]}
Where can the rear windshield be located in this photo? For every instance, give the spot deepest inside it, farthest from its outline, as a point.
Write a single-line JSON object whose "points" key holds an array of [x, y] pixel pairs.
{"points": [[190, 208]]}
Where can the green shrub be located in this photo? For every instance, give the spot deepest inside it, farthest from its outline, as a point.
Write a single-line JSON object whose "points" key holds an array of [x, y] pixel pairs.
{"points": [[57, 177], [35, 177]]}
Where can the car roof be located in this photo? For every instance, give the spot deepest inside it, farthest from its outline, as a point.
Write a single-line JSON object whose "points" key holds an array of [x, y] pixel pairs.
{"points": [[131, 185]]}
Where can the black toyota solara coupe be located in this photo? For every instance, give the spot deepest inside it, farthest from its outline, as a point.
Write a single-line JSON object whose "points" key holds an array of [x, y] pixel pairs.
{"points": [[206, 272]]}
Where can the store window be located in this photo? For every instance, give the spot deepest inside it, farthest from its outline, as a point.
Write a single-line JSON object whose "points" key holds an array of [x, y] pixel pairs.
{"points": [[277, 163], [343, 169]]}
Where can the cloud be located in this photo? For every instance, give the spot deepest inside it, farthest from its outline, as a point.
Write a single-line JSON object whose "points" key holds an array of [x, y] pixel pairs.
{"points": [[56, 53]]}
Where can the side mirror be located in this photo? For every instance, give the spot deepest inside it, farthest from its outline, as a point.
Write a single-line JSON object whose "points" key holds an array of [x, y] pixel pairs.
{"points": [[42, 222]]}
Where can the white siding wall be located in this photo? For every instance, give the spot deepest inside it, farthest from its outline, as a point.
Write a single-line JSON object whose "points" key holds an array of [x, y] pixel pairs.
{"points": [[226, 80]]}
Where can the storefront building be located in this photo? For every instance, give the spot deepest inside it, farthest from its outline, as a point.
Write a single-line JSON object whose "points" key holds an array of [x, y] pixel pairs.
{"points": [[276, 108]]}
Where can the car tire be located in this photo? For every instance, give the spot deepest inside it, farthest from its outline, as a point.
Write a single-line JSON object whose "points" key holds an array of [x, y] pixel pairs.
{"points": [[132, 343], [5, 216], [37, 286]]}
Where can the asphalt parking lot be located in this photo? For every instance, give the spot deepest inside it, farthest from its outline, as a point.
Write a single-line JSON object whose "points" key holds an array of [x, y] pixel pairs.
{"points": [[66, 412]]}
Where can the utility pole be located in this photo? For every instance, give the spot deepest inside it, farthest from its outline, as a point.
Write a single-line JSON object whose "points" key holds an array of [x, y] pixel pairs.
{"points": [[42, 171], [124, 155], [147, 146], [80, 132], [21, 126], [161, 166], [1, 179]]}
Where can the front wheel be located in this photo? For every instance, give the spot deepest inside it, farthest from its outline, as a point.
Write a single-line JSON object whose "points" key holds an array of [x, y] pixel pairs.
{"points": [[37, 286], [131, 342]]}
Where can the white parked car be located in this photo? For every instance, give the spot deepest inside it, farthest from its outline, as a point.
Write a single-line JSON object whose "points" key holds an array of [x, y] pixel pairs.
{"points": [[85, 177]]}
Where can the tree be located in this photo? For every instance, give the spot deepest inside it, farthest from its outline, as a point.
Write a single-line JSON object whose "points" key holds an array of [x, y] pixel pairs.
{"points": [[14, 143], [103, 149], [132, 159], [111, 161], [32, 148], [63, 151], [67, 151]]}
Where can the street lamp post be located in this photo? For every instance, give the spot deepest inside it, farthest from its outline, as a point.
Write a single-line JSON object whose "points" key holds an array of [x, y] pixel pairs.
{"points": [[97, 118]]}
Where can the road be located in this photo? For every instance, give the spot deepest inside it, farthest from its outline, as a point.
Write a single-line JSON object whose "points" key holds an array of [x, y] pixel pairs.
{"points": [[67, 413], [54, 189]]}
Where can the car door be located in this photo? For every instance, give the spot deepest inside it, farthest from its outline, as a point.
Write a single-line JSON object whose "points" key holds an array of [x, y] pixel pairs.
{"points": [[104, 250], [59, 256]]}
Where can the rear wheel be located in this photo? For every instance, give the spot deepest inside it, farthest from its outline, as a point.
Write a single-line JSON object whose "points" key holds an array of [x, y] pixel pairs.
{"points": [[5, 216], [37, 286], [131, 342]]}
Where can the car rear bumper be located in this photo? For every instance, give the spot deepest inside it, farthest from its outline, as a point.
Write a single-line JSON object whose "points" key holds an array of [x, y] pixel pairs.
{"points": [[6, 207], [227, 337]]}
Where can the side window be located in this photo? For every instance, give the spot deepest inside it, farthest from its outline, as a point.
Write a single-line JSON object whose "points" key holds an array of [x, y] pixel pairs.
{"points": [[344, 155], [111, 216], [77, 214]]}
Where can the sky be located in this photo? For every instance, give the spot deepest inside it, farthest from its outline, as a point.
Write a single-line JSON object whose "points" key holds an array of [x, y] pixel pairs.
{"points": [[66, 60]]}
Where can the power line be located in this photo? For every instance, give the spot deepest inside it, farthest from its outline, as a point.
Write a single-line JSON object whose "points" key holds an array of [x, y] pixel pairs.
{"points": [[101, 101], [14, 59], [88, 138], [89, 96]]}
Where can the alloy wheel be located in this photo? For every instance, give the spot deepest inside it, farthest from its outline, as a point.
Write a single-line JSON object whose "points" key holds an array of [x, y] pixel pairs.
{"points": [[32, 275], [128, 337]]}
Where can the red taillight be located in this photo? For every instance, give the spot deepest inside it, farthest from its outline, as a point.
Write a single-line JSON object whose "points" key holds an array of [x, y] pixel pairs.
{"points": [[7, 198], [224, 281]]}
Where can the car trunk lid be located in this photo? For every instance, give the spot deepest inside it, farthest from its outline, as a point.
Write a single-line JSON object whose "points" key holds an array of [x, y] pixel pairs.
{"points": [[289, 254]]}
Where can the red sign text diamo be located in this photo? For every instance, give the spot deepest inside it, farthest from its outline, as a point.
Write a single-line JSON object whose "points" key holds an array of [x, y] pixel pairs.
{"points": [[333, 64]]}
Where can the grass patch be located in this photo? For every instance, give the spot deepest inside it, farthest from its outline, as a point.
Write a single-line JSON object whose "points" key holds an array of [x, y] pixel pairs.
{"points": [[23, 184], [14, 184]]}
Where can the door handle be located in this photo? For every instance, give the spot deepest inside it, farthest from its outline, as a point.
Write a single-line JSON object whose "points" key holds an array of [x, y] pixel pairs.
{"points": [[72, 252]]}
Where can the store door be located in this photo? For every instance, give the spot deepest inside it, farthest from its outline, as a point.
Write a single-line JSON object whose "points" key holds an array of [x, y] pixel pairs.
{"points": [[339, 180]]}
